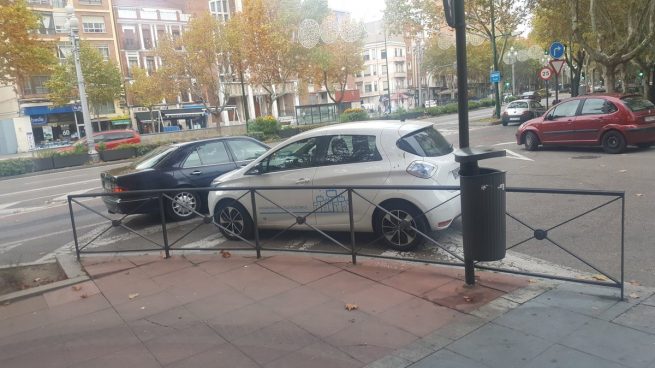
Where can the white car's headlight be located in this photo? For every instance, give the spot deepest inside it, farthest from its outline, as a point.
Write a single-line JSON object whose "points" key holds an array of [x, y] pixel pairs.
{"points": [[421, 169]]}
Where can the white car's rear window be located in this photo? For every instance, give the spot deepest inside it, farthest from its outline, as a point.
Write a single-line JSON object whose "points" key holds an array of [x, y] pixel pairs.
{"points": [[427, 142]]}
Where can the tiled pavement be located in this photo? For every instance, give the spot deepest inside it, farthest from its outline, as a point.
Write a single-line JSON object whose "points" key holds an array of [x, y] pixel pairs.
{"points": [[286, 311]]}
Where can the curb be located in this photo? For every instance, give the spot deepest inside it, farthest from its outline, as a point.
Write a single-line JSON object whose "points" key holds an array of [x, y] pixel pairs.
{"points": [[70, 168]]}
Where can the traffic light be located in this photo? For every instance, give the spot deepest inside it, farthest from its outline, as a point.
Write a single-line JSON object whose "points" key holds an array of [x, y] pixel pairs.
{"points": [[641, 74], [507, 84]]}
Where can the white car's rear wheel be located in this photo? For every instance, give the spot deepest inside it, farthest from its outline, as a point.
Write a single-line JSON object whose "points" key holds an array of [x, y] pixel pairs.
{"points": [[400, 228], [234, 220]]}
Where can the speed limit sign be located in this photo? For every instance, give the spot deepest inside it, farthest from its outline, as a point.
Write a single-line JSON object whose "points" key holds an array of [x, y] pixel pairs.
{"points": [[545, 73]]}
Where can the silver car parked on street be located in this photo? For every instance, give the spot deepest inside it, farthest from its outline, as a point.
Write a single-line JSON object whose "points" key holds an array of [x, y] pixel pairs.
{"points": [[520, 111]]}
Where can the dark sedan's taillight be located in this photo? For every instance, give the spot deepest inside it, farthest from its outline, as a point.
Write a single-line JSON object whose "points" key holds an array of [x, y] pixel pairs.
{"points": [[117, 189]]}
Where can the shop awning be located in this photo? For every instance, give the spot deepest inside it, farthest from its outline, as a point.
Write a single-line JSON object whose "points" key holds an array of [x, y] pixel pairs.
{"points": [[45, 110], [121, 122], [182, 113]]}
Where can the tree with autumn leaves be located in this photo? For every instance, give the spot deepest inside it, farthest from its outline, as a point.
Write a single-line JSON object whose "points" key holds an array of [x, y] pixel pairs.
{"points": [[151, 90], [103, 80], [21, 53]]}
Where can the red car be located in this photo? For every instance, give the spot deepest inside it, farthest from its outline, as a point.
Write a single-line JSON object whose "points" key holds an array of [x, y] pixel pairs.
{"points": [[111, 139], [612, 121]]}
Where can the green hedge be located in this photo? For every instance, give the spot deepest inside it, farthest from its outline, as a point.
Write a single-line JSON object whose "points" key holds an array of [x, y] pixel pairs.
{"points": [[355, 114], [268, 126], [16, 166]]}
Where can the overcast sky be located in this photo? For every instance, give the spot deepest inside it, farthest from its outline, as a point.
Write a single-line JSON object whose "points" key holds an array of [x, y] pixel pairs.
{"points": [[366, 10]]}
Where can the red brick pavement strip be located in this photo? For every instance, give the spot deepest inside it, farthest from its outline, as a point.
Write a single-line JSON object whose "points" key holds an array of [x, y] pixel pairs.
{"points": [[280, 311]]}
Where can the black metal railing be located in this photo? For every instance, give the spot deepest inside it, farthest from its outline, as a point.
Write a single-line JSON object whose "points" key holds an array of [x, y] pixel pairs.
{"points": [[169, 239]]}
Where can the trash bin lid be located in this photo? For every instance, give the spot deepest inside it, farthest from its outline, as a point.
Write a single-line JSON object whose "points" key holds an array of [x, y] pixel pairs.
{"points": [[469, 154]]}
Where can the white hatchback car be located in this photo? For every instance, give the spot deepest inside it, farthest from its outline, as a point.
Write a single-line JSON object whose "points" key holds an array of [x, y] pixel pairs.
{"points": [[384, 153]]}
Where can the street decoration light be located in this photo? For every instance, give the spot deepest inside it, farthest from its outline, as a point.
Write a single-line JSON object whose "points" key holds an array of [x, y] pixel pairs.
{"points": [[511, 58], [72, 25]]}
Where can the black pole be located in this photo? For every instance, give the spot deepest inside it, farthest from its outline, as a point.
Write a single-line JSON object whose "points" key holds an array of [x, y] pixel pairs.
{"points": [[546, 83], [468, 168], [495, 56]]}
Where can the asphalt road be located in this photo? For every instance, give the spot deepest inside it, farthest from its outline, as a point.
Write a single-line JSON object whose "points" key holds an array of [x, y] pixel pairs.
{"points": [[35, 221]]}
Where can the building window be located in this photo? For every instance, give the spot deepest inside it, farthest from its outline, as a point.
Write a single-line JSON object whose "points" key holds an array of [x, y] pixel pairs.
{"points": [[385, 85], [90, 2], [104, 51], [147, 36], [35, 85], [104, 108], [129, 38], [367, 88], [220, 9], [38, 2], [64, 50], [400, 67], [47, 26], [360, 87], [60, 21], [93, 24], [150, 64], [129, 13], [375, 87], [367, 57], [383, 54]]}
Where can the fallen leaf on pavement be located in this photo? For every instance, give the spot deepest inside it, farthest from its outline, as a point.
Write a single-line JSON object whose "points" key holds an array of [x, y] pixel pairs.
{"points": [[622, 171], [226, 254], [350, 307], [133, 295], [468, 299], [634, 282], [639, 195], [634, 295], [531, 281], [77, 287], [37, 279], [84, 296], [600, 277]]}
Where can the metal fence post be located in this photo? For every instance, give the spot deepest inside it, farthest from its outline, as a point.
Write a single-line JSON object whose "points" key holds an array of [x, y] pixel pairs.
{"points": [[258, 247], [70, 211], [622, 243], [352, 225], [162, 216]]}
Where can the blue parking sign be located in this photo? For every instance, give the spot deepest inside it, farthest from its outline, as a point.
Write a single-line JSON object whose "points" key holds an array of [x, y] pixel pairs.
{"points": [[494, 77]]}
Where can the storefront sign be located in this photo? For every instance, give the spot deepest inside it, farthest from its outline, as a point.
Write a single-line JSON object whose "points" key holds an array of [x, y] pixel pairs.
{"points": [[39, 120]]}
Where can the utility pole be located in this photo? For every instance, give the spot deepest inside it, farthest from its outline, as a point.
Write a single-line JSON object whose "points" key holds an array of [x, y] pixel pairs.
{"points": [[495, 56], [386, 53]]}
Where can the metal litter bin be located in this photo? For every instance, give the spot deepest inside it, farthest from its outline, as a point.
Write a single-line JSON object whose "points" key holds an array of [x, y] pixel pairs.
{"points": [[483, 206]]}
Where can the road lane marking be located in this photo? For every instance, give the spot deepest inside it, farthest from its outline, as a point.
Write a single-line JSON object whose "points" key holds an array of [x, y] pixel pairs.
{"points": [[64, 198], [514, 155], [8, 246], [504, 143], [46, 188]]}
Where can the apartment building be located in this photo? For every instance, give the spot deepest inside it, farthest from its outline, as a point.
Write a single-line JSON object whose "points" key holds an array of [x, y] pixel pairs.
{"points": [[57, 125], [383, 82]]}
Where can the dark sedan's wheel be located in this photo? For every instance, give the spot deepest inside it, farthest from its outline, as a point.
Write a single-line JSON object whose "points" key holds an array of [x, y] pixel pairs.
{"points": [[645, 145], [613, 142], [183, 205], [234, 220], [531, 141], [400, 231]]}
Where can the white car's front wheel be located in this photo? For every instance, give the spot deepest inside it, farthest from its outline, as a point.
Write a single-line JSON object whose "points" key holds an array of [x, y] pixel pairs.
{"points": [[400, 227]]}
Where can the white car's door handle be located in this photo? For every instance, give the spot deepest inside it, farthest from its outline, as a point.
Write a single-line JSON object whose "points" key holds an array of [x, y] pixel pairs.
{"points": [[302, 181]]}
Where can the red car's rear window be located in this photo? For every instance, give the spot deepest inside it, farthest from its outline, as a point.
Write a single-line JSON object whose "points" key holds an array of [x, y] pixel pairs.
{"points": [[637, 103]]}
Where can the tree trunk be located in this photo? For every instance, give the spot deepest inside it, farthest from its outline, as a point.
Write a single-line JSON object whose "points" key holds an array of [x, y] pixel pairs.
{"points": [[610, 77], [650, 85]]}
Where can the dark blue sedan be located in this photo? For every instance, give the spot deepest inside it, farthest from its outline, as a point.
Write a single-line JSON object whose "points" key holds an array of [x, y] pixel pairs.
{"points": [[176, 166]]}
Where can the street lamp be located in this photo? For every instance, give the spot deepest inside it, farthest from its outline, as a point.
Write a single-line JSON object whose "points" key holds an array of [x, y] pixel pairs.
{"points": [[72, 24], [419, 48], [513, 58]]}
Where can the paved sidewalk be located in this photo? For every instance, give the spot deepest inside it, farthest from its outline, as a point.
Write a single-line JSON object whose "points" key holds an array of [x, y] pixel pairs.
{"points": [[290, 311]]}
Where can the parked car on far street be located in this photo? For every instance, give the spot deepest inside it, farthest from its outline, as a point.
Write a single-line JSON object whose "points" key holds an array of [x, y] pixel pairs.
{"points": [[520, 111], [182, 165], [612, 121], [531, 95], [384, 153], [110, 138]]}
